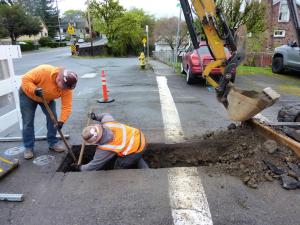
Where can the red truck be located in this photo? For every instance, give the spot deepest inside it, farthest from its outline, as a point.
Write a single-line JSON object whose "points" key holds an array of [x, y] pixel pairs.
{"points": [[193, 67]]}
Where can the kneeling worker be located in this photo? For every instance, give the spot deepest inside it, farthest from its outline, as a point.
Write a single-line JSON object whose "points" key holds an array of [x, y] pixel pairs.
{"points": [[113, 139], [52, 83]]}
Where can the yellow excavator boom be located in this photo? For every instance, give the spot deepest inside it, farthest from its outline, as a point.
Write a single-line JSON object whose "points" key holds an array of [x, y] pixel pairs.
{"points": [[241, 105]]}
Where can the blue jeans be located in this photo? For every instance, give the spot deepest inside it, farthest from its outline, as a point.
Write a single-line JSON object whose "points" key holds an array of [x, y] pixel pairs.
{"points": [[28, 108]]}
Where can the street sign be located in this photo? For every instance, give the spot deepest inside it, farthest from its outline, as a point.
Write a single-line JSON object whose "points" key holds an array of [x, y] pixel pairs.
{"points": [[71, 29], [144, 40]]}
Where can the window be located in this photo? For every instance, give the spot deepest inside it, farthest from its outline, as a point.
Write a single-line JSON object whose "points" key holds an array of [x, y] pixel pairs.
{"points": [[279, 33], [284, 12]]}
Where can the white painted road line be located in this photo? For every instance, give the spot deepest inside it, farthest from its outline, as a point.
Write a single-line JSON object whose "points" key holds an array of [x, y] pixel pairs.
{"points": [[188, 201], [172, 126], [89, 75]]}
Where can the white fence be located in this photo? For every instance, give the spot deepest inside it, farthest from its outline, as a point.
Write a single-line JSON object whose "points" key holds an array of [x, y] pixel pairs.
{"points": [[9, 98]]}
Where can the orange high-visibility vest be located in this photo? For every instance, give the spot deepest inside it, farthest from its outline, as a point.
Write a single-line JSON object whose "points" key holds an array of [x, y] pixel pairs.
{"points": [[127, 140]]}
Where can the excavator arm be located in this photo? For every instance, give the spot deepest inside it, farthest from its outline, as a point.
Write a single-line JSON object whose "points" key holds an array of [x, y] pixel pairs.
{"points": [[241, 105]]}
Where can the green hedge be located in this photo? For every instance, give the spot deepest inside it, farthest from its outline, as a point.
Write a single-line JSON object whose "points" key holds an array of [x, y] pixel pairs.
{"points": [[44, 41], [56, 44], [48, 42], [29, 46]]}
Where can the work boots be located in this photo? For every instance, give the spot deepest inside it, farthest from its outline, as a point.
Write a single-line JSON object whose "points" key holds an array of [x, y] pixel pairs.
{"points": [[57, 148], [28, 153]]}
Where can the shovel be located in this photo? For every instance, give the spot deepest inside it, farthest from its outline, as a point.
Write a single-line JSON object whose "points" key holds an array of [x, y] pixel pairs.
{"points": [[54, 121]]}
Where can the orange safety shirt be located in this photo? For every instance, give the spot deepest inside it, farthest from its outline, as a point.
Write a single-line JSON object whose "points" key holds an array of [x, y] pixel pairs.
{"points": [[44, 76], [127, 140]]}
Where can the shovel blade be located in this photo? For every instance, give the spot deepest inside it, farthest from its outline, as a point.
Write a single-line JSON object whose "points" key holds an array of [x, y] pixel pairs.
{"points": [[243, 104]]}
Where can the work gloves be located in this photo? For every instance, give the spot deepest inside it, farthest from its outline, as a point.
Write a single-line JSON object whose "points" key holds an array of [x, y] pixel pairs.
{"points": [[60, 125], [92, 116], [75, 167], [38, 92]]}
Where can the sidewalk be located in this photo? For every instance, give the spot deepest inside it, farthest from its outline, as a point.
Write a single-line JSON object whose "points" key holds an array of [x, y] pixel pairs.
{"points": [[161, 68]]}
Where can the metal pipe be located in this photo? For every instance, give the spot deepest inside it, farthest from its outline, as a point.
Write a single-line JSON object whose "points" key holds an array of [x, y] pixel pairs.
{"points": [[37, 138], [11, 197], [90, 27], [58, 21]]}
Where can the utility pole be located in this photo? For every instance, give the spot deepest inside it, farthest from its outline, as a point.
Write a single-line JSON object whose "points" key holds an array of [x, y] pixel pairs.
{"points": [[58, 21], [90, 27], [147, 32], [178, 36]]}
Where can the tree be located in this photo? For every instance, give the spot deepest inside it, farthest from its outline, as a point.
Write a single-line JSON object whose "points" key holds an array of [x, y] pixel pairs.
{"points": [[9, 2], [14, 22], [129, 30], [74, 16], [104, 13], [166, 30], [244, 12], [47, 11], [44, 9]]}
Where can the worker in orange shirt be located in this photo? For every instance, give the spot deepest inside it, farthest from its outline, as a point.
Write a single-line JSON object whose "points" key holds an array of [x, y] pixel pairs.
{"points": [[53, 83]]}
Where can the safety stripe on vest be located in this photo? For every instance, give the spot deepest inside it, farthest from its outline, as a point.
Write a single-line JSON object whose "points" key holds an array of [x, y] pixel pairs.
{"points": [[117, 147], [130, 143]]}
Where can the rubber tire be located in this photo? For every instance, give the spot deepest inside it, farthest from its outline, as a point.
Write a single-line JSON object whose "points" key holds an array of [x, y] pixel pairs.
{"points": [[190, 77], [181, 69], [277, 65]]}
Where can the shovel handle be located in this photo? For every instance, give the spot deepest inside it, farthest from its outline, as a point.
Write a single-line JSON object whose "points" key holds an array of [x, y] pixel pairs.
{"points": [[55, 124], [83, 145]]}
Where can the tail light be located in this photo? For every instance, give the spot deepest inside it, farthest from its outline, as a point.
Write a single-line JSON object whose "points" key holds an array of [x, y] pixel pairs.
{"points": [[195, 59]]}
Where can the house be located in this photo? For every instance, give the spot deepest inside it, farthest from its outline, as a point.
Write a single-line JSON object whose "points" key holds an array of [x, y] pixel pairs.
{"points": [[34, 38], [280, 27], [43, 33], [78, 21]]}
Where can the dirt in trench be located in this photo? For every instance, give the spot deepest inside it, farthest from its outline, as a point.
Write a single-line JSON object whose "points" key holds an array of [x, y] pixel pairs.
{"points": [[239, 152]]}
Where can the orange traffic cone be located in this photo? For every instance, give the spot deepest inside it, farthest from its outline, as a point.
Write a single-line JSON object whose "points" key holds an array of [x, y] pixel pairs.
{"points": [[105, 98]]}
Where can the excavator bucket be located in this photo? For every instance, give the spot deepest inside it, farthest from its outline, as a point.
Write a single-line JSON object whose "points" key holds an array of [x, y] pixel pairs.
{"points": [[243, 105], [240, 104]]}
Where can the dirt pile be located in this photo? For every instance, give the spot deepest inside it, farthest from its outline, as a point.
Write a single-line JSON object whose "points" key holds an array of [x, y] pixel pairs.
{"points": [[239, 152]]}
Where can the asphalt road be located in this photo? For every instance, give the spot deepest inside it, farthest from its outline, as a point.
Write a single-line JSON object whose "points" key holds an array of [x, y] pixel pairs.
{"points": [[167, 110]]}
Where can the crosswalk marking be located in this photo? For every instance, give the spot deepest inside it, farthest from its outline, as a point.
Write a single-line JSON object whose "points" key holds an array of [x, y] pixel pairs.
{"points": [[187, 197]]}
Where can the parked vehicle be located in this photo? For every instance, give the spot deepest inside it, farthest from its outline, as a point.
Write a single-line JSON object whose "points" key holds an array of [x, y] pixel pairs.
{"points": [[193, 67], [60, 38], [286, 57]]}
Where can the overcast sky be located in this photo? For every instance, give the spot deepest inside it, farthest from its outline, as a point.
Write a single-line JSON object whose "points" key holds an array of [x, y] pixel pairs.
{"points": [[158, 8]]}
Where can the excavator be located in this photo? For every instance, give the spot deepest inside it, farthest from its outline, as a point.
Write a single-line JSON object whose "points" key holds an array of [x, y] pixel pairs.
{"points": [[241, 105]]}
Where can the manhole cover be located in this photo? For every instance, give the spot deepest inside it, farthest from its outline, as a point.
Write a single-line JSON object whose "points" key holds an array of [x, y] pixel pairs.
{"points": [[14, 151], [43, 160]]}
